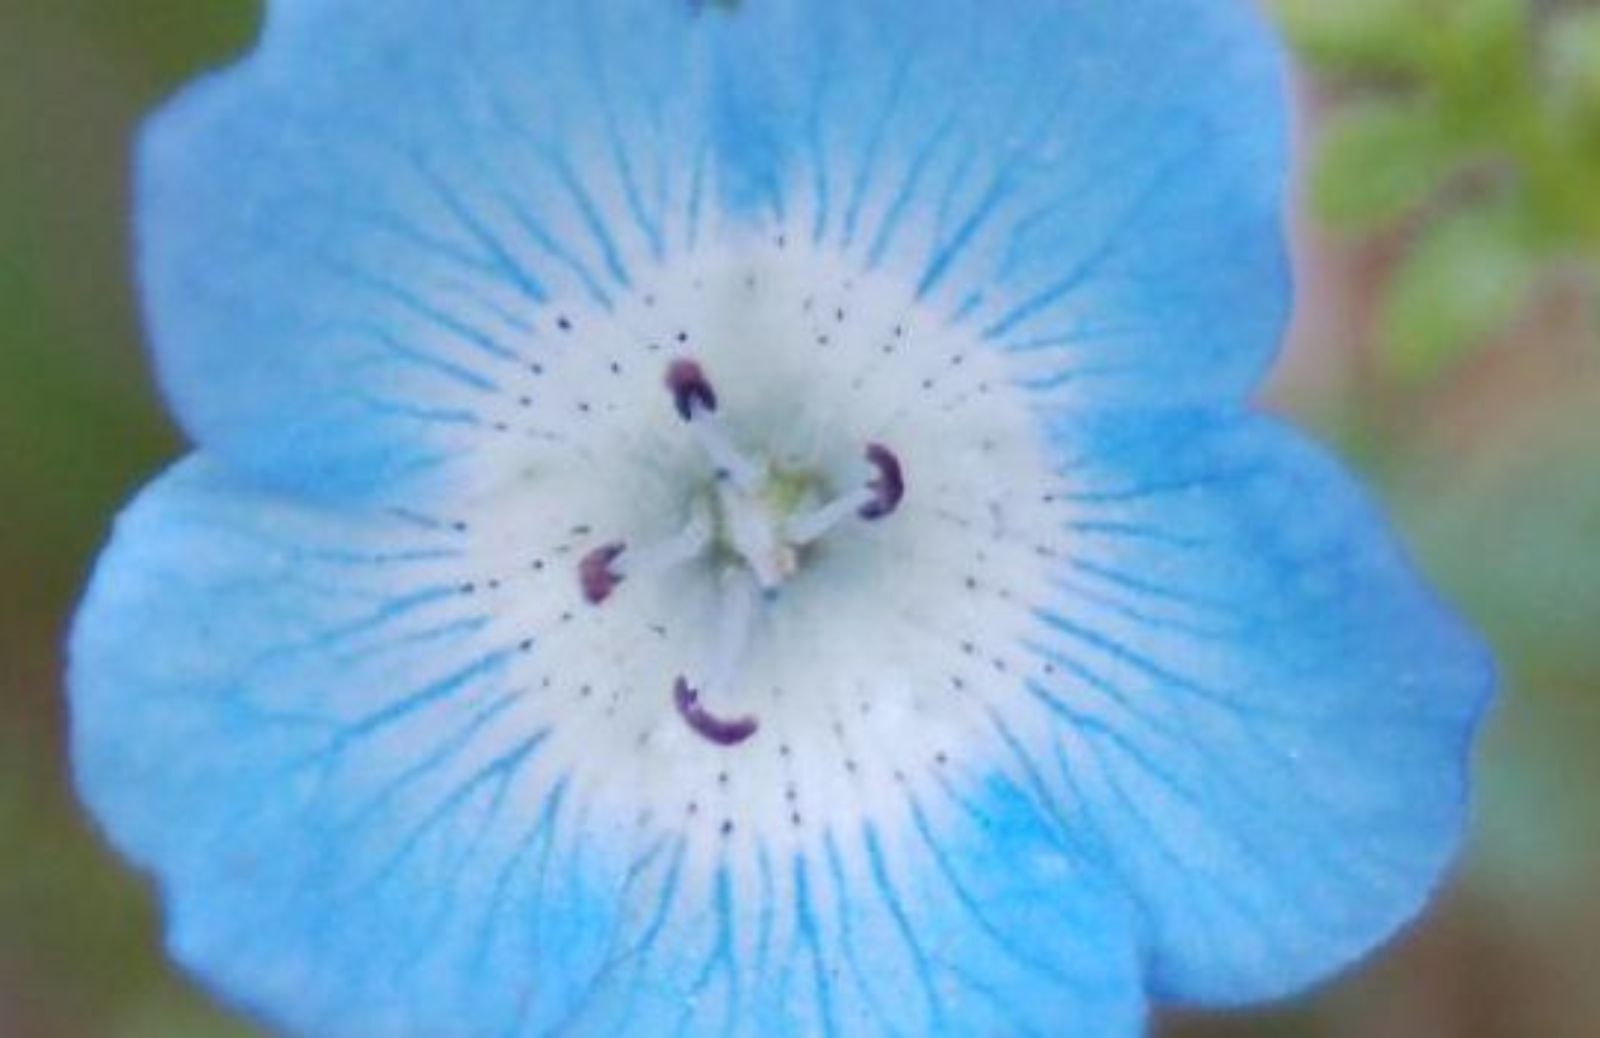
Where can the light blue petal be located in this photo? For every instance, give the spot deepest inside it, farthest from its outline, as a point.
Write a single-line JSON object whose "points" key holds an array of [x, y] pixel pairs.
{"points": [[1266, 713], [984, 924], [355, 241], [297, 721], [358, 243], [303, 725], [1099, 183]]}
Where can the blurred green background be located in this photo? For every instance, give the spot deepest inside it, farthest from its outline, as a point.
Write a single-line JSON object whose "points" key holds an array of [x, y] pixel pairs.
{"points": [[1448, 240]]}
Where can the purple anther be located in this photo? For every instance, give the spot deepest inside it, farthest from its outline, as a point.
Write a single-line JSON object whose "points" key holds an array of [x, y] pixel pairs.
{"points": [[597, 576], [690, 389], [889, 486], [712, 729]]}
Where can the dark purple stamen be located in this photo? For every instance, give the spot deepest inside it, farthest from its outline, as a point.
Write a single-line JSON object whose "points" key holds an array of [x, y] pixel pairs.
{"points": [[889, 487], [690, 388], [713, 729], [597, 576]]}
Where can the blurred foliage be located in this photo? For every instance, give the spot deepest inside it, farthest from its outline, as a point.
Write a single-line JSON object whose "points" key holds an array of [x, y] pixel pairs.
{"points": [[1459, 157], [1518, 532], [1473, 126], [80, 428]]}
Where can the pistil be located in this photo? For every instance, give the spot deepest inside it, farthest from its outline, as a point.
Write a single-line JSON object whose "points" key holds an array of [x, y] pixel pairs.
{"points": [[879, 498], [758, 543], [601, 570], [696, 402], [703, 723], [741, 601]]}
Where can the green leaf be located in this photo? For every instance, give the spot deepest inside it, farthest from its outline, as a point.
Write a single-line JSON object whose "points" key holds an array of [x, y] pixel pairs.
{"points": [[1377, 162], [162, 42], [1481, 64], [1356, 35], [1464, 279], [1573, 39]]}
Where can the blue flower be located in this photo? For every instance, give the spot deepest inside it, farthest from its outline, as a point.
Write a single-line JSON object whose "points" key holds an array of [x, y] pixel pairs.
{"points": [[745, 519]]}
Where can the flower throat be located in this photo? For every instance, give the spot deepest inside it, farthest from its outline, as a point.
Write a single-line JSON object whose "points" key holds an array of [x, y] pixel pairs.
{"points": [[756, 522]]}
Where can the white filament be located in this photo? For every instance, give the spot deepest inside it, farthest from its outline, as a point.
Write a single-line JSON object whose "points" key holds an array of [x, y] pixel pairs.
{"points": [[812, 526], [736, 624], [709, 432], [654, 559]]}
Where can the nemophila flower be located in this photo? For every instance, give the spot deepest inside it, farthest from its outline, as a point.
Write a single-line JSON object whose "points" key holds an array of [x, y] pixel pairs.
{"points": [[745, 519]]}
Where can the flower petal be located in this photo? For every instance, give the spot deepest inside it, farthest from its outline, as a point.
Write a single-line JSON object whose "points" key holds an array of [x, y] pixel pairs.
{"points": [[360, 241], [369, 815], [306, 729], [1097, 183], [979, 920], [356, 246], [1265, 713]]}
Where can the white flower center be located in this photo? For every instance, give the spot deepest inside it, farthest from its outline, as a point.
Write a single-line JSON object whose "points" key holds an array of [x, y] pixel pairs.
{"points": [[765, 518], [773, 610], [755, 532]]}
